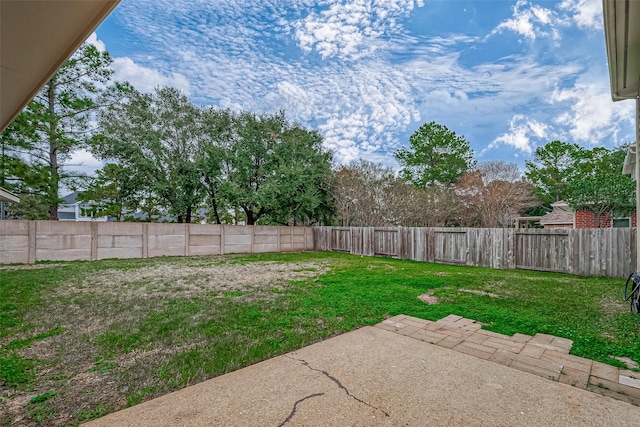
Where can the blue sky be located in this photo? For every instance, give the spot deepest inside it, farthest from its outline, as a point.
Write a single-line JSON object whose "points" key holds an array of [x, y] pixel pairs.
{"points": [[508, 75]]}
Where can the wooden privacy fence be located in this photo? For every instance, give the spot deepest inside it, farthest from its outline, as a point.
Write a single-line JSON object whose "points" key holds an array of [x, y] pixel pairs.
{"points": [[585, 252], [31, 241]]}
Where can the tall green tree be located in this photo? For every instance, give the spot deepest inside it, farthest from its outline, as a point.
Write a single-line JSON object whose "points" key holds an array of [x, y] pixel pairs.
{"points": [[299, 191], [111, 192], [57, 122], [555, 166], [156, 137], [212, 154], [18, 174], [436, 155], [275, 171], [603, 188]]}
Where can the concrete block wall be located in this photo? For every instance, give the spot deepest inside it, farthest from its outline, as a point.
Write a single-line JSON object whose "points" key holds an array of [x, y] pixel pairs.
{"points": [[31, 241], [14, 241], [119, 240]]}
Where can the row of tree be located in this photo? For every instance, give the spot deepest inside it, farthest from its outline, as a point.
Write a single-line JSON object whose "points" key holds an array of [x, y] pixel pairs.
{"points": [[171, 154], [166, 156], [491, 195], [441, 184]]}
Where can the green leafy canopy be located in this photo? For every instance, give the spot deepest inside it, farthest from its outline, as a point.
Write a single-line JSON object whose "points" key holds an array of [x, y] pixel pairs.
{"points": [[436, 155]]}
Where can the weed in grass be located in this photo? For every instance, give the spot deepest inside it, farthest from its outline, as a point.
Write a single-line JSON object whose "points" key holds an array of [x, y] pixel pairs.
{"points": [[22, 343], [15, 370], [85, 415], [41, 413], [103, 365], [119, 340], [42, 397], [135, 398]]}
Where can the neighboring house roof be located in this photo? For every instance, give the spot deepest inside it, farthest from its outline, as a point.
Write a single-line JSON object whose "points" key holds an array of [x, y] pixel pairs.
{"points": [[70, 198], [8, 196], [561, 214]]}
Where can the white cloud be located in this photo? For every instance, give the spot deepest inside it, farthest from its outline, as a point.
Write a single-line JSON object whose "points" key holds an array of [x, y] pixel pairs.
{"points": [[377, 79], [592, 117], [350, 29], [521, 132], [147, 79], [99, 44], [530, 21], [585, 13]]}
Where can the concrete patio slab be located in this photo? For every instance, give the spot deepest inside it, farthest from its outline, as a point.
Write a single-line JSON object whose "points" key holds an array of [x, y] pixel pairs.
{"points": [[375, 377]]}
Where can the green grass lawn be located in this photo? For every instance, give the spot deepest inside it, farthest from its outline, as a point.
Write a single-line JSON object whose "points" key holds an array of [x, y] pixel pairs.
{"points": [[82, 339]]}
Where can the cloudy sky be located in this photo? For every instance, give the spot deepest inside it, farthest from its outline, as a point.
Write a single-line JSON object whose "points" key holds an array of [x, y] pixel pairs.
{"points": [[508, 75]]}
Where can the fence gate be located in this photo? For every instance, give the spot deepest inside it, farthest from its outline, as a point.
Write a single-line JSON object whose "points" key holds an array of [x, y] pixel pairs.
{"points": [[546, 250], [451, 246], [386, 242]]}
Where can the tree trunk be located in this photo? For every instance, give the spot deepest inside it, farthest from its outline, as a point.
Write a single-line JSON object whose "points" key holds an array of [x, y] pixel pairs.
{"points": [[214, 206], [251, 219], [188, 216], [53, 154]]}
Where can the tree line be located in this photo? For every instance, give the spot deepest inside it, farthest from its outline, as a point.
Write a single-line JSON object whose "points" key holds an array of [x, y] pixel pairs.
{"points": [[165, 156], [440, 183]]}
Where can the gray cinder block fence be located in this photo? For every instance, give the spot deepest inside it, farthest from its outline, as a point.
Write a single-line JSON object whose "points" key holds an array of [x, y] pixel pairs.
{"points": [[31, 241]]}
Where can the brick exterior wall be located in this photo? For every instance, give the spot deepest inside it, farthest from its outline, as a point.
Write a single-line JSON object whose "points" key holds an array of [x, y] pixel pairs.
{"points": [[587, 219]]}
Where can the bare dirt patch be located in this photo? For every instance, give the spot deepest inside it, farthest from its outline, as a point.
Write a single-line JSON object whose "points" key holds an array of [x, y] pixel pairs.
{"points": [[613, 305], [428, 298], [190, 281], [479, 292]]}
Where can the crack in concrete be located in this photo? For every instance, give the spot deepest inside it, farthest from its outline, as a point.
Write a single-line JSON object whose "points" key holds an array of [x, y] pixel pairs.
{"points": [[295, 407], [338, 383]]}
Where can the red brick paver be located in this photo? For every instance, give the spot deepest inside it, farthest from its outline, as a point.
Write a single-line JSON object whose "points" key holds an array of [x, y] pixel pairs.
{"points": [[544, 355]]}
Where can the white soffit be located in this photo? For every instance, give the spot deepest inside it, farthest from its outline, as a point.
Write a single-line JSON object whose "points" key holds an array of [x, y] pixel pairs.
{"points": [[622, 35], [36, 38]]}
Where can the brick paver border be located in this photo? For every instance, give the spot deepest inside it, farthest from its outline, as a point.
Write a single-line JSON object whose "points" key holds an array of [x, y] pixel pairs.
{"points": [[544, 355]]}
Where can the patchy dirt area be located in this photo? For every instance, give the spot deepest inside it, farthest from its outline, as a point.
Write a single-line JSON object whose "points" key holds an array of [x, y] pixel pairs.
{"points": [[195, 280], [479, 292], [123, 331], [428, 298]]}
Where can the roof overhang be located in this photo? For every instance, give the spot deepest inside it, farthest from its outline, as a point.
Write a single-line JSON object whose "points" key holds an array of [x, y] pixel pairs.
{"points": [[622, 36], [8, 196], [37, 37]]}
